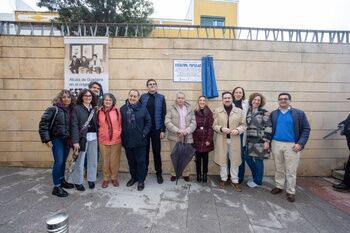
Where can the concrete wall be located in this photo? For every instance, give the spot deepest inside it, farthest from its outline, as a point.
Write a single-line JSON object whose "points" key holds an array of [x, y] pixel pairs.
{"points": [[317, 76]]}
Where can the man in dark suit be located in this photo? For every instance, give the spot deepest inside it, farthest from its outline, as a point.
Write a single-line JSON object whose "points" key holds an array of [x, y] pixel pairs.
{"points": [[345, 185], [74, 65]]}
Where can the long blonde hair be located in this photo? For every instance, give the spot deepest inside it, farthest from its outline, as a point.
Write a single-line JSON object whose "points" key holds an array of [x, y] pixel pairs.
{"points": [[197, 106]]}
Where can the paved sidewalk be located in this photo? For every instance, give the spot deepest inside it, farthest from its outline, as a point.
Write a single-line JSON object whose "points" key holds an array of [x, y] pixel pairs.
{"points": [[26, 203]]}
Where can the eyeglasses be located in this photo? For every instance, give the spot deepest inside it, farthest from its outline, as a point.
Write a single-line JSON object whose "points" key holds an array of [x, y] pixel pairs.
{"points": [[152, 84], [283, 99], [87, 95]]}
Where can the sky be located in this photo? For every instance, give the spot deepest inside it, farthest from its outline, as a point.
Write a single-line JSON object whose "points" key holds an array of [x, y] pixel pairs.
{"points": [[296, 14]]}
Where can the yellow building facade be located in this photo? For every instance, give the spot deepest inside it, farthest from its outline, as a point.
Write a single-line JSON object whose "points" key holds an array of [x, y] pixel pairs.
{"points": [[208, 13]]}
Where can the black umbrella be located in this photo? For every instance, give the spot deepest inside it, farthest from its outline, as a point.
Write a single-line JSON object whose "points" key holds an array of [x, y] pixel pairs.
{"points": [[180, 156]]}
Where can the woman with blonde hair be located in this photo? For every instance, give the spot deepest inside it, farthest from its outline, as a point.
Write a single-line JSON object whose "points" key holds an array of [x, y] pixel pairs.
{"points": [[203, 137]]}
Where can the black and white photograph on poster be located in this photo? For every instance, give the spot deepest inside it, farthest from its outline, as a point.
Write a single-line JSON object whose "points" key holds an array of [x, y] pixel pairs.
{"points": [[86, 60]]}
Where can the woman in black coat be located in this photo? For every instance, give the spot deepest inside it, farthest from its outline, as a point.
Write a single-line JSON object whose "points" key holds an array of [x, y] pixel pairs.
{"points": [[136, 124], [54, 130], [84, 138], [203, 137]]}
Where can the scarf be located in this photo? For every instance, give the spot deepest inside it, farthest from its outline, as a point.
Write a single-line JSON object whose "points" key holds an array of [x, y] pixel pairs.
{"points": [[131, 115], [238, 103], [67, 109], [108, 120]]}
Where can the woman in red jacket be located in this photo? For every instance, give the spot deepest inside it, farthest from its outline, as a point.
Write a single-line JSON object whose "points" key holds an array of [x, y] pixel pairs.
{"points": [[109, 139], [203, 137]]}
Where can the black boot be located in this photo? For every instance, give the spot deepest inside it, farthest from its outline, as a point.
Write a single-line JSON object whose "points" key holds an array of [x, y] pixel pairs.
{"points": [[205, 177], [66, 185], [59, 192], [199, 177], [91, 184], [341, 187]]}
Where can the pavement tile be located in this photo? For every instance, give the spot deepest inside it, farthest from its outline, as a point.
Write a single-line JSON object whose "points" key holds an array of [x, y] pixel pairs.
{"points": [[320, 219], [260, 213], [290, 217], [235, 227], [172, 215], [263, 229], [203, 226]]}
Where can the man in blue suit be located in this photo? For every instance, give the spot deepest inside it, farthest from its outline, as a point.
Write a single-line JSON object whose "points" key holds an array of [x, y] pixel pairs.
{"points": [[156, 106]]}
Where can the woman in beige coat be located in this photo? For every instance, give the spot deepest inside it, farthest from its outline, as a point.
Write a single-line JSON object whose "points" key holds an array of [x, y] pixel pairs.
{"points": [[229, 123], [180, 122]]}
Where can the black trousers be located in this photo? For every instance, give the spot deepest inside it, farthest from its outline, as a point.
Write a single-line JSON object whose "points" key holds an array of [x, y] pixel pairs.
{"points": [[137, 162], [154, 138], [347, 169], [201, 156]]}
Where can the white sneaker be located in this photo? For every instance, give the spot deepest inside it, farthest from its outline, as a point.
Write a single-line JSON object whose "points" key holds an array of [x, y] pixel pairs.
{"points": [[251, 184]]}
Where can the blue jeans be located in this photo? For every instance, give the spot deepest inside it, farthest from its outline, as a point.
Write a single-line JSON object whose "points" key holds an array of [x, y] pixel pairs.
{"points": [[256, 165], [60, 151], [241, 169]]}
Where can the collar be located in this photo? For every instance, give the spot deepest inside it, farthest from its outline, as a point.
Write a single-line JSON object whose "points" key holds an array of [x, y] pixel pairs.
{"points": [[285, 110]]}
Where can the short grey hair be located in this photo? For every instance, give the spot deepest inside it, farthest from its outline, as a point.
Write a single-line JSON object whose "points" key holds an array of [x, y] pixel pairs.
{"points": [[180, 93]]}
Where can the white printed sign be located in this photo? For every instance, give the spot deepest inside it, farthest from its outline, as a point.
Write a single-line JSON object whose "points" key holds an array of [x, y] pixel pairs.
{"points": [[187, 70]]}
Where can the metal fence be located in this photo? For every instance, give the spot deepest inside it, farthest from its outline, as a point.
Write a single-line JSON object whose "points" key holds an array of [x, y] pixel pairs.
{"points": [[174, 31]]}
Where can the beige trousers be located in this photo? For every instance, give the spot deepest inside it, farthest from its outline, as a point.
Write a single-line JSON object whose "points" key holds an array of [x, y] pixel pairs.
{"points": [[111, 160], [286, 165], [233, 169], [186, 171]]}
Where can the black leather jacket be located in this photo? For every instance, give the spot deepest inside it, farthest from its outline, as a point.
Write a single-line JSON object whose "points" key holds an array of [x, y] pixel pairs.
{"points": [[60, 126]]}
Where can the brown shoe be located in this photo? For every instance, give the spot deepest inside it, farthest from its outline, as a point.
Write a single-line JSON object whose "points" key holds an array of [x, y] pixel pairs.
{"points": [[276, 191], [104, 184], [236, 187], [291, 197], [222, 184], [187, 178], [115, 183]]}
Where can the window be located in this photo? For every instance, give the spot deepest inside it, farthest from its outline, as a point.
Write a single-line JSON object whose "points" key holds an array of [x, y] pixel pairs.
{"points": [[212, 21]]}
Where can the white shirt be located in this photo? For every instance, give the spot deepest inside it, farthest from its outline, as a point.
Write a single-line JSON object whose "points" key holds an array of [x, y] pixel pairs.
{"points": [[183, 113]]}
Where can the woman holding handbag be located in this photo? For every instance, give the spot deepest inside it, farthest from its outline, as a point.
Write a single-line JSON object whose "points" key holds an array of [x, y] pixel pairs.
{"points": [[203, 137], [109, 138], [84, 138], [54, 130]]}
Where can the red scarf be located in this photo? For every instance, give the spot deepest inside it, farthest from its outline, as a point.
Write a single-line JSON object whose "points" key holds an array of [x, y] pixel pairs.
{"points": [[108, 120]]}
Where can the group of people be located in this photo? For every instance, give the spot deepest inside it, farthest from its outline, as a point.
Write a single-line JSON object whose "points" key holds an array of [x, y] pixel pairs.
{"points": [[84, 66], [239, 131]]}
